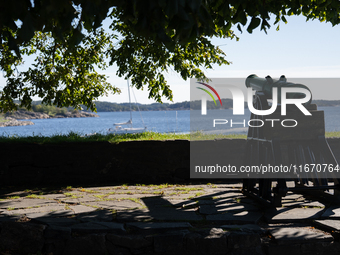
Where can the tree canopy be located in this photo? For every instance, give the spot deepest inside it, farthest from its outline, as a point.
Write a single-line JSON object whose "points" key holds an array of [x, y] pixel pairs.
{"points": [[146, 39]]}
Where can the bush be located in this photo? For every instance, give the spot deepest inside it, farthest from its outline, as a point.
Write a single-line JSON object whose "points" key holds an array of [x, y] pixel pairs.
{"points": [[61, 111], [49, 109]]}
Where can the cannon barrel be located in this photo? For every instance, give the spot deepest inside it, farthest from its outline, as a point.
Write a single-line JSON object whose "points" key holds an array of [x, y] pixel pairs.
{"points": [[267, 84]]}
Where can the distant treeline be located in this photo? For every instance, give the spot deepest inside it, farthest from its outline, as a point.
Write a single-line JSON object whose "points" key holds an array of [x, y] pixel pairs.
{"points": [[187, 105], [326, 102], [193, 105], [51, 110], [114, 107]]}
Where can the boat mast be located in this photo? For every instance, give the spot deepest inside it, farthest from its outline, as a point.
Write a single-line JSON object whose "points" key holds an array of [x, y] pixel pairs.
{"points": [[129, 100]]}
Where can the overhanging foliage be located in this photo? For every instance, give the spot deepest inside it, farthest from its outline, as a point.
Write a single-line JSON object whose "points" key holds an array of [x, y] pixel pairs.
{"points": [[146, 38]]}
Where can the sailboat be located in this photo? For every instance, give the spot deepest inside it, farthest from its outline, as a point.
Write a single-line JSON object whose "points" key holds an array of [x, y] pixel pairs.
{"points": [[126, 127]]}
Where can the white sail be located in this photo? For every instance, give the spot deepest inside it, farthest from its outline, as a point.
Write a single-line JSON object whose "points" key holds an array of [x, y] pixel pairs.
{"points": [[124, 123]]}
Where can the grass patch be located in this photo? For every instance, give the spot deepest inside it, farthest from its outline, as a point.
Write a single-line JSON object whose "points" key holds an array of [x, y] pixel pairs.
{"points": [[162, 186], [125, 193], [2, 119], [136, 200], [88, 191], [189, 189], [72, 195], [100, 196], [173, 193], [77, 137], [161, 193], [117, 138], [13, 197], [35, 196], [201, 136], [199, 194], [238, 200], [105, 199], [333, 134]]}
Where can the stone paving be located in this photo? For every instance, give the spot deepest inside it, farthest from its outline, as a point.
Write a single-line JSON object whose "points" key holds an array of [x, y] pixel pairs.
{"points": [[163, 219]]}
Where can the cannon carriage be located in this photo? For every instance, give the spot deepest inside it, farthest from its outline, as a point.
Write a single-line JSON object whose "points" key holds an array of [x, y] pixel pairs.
{"points": [[294, 140]]}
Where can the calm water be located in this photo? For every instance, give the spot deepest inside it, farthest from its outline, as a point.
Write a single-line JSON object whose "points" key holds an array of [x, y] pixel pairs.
{"points": [[158, 121]]}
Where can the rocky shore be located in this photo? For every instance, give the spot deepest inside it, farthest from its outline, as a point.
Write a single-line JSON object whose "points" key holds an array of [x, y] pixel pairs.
{"points": [[15, 118], [10, 122], [24, 115]]}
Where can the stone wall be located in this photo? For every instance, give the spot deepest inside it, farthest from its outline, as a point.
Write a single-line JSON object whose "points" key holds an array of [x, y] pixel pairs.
{"points": [[94, 163], [100, 163]]}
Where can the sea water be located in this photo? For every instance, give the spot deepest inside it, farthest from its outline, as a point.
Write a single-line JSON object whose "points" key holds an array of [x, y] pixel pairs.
{"points": [[157, 121]]}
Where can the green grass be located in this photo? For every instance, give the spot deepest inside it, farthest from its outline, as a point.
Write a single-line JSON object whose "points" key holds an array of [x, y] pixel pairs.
{"points": [[101, 196], [116, 138], [112, 138], [200, 136], [75, 137], [332, 134], [88, 190], [2, 119], [35, 196], [13, 197]]}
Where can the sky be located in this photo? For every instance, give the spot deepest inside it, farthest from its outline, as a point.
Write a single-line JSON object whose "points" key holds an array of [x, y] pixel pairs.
{"points": [[299, 49]]}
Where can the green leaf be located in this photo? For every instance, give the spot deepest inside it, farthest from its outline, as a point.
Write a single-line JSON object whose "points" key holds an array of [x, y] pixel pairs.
{"points": [[239, 28], [13, 46], [148, 38], [254, 23], [27, 29]]}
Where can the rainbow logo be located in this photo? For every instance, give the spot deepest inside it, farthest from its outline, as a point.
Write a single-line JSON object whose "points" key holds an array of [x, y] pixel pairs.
{"points": [[213, 90]]}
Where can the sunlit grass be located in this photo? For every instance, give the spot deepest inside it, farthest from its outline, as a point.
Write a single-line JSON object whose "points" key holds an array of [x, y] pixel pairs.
{"points": [[2, 119], [333, 134], [201, 136], [116, 138], [76, 137]]}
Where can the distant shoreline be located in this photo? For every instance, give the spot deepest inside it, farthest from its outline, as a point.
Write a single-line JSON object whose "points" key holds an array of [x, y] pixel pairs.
{"points": [[25, 115], [16, 118], [187, 105]]}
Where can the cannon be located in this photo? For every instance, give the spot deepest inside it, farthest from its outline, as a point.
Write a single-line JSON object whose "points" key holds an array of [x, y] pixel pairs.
{"points": [[301, 146], [266, 85]]}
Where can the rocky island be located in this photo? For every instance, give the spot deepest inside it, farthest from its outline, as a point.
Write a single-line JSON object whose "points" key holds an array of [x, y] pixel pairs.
{"points": [[15, 118], [10, 122]]}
